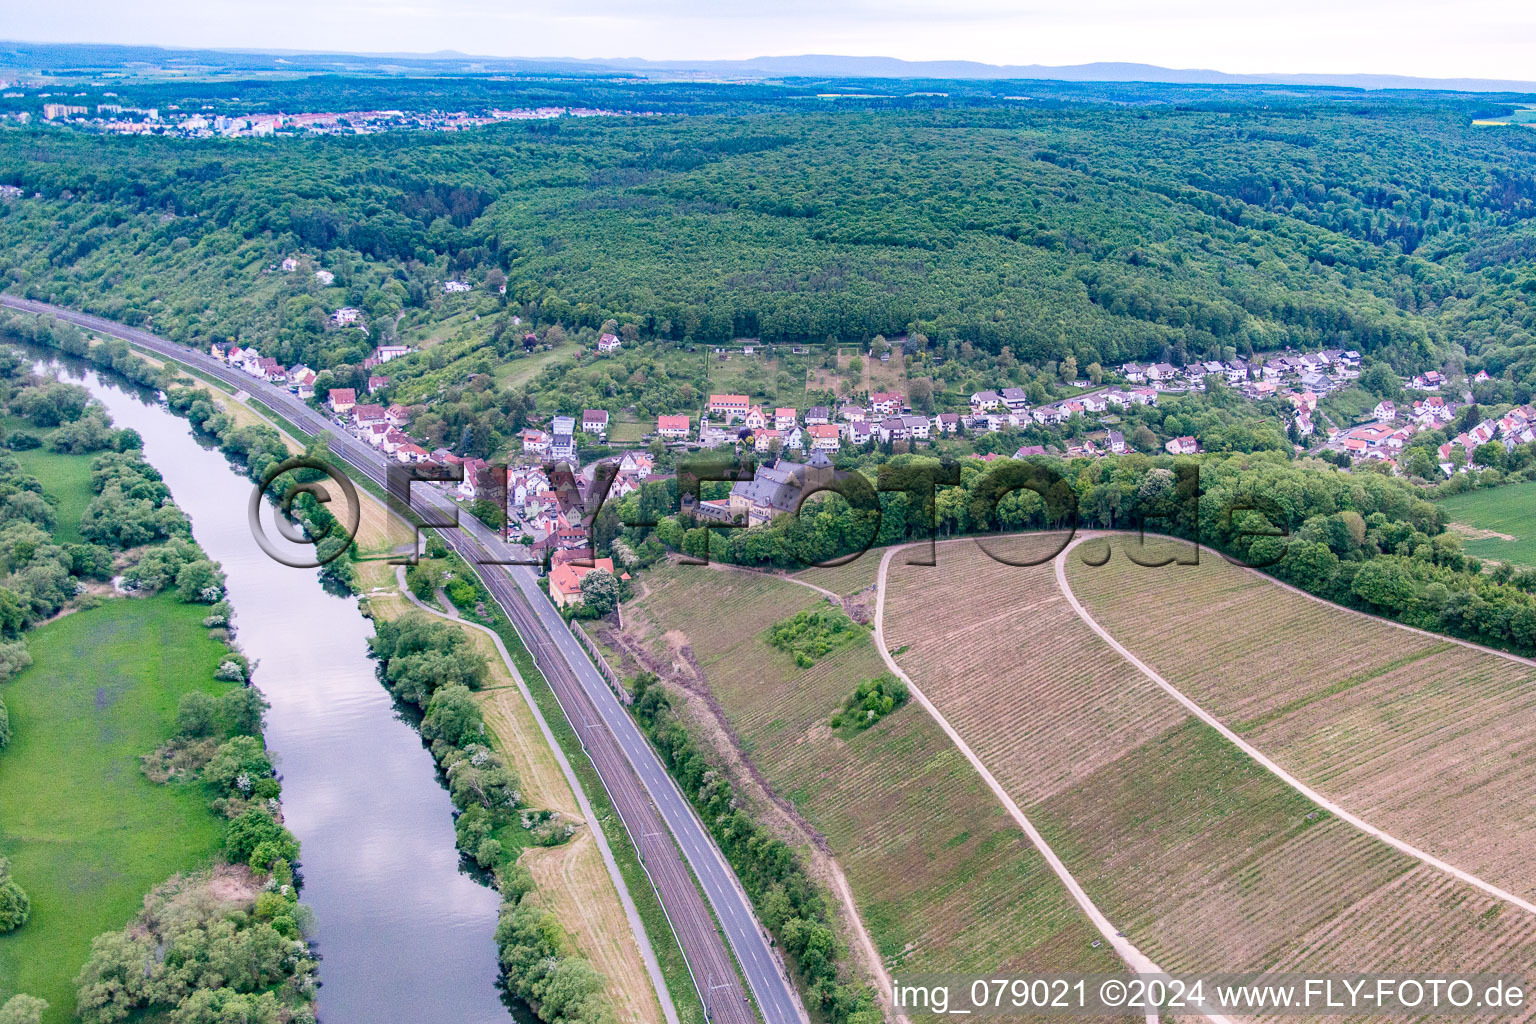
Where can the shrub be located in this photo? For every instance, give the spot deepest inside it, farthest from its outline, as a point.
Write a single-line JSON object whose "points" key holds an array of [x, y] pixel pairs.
{"points": [[252, 829], [23, 1009], [5, 726], [811, 635], [15, 908], [197, 715], [13, 658], [870, 702]]}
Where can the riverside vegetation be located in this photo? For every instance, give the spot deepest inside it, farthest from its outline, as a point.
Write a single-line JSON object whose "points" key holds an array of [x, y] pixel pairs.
{"points": [[204, 806]]}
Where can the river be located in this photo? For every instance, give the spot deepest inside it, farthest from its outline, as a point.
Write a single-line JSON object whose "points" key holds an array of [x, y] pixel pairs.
{"points": [[406, 936]]}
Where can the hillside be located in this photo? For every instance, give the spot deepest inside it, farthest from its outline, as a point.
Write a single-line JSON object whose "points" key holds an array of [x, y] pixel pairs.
{"points": [[1428, 739], [1204, 858], [941, 879], [1102, 233]]}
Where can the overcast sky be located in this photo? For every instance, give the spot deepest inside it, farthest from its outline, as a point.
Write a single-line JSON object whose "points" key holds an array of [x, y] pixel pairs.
{"points": [[1478, 38]]}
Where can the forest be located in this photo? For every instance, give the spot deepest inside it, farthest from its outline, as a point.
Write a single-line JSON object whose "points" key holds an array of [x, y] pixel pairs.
{"points": [[1098, 231]]}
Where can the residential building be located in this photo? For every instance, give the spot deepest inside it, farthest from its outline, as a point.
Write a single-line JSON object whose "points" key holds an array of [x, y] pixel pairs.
{"points": [[729, 407], [609, 343], [673, 428], [341, 400], [985, 401], [784, 418], [1015, 398], [562, 444], [817, 414], [825, 437], [885, 403], [535, 442], [595, 421], [1182, 446], [565, 581]]}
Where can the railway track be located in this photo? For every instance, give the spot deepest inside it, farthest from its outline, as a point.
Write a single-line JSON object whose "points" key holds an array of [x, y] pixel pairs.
{"points": [[704, 902]]}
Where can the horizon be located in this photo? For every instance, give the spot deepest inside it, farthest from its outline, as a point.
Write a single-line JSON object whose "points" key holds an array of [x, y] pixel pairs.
{"points": [[927, 68], [1488, 42]]}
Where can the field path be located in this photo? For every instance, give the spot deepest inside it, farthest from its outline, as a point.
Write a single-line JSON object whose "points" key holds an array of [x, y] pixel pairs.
{"points": [[1134, 958], [1237, 741], [652, 966], [871, 955]]}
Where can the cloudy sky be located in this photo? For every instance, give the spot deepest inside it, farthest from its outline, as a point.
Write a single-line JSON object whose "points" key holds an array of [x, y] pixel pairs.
{"points": [[1474, 38]]}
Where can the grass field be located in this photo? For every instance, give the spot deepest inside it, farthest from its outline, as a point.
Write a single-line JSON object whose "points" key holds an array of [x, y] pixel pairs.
{"points": [[1427, 739], [1497, 523], [1203, 858], [67, 479], [942, 878], [87, 834]]}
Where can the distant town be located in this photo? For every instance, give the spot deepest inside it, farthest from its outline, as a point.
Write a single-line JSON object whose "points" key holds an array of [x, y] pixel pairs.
{"points": [[121, 119]]}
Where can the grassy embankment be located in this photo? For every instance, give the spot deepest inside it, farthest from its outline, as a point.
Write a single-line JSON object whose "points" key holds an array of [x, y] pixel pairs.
{"points": [[571, 878]]}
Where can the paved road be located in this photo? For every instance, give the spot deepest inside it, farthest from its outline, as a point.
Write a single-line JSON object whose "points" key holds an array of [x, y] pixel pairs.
{"points": [[649, 802]]}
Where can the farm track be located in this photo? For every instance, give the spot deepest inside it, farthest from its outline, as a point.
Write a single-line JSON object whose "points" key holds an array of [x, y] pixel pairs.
{"points": [[1133, 957], [1332, 806], [1200, 854]]}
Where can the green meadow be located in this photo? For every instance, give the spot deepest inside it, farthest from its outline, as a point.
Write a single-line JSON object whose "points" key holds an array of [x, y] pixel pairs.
{"points": [[1497, 523], [86, 833], [67, 479]]}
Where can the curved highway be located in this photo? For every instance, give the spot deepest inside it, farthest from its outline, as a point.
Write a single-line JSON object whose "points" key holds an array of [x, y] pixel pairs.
{"points": [[652, 807]]}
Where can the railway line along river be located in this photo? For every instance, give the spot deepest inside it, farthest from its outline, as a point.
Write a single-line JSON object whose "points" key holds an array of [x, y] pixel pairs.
{"points": [[406, 936]]}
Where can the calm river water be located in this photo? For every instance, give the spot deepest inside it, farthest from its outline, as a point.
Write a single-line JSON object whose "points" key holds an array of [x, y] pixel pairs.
{"points": [[406, 935]]}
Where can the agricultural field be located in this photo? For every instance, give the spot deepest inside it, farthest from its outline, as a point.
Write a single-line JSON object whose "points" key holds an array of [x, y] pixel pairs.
{"points": [[1497, 523], [1432, 741], [1202, 857], [847, 579], [86, 832], [942, 879]]}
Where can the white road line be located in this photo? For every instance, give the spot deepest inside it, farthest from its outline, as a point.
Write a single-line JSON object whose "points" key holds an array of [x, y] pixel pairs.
{"points": [[1247, 748], [1134, 958]]}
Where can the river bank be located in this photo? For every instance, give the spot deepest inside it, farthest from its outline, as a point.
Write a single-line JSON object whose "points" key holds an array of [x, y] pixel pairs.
{"points": [[405, 933]]}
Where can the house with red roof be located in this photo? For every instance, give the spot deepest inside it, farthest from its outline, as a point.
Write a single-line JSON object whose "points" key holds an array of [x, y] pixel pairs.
{"points": [[565, 581]]}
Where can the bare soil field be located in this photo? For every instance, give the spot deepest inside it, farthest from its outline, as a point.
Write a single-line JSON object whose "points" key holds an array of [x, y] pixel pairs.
{"points": [[1430, 740], [942, 878], [1203, 858]]}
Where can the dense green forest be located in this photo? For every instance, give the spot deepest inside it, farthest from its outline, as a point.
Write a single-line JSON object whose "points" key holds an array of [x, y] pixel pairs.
{"points": [[1103, 232]]}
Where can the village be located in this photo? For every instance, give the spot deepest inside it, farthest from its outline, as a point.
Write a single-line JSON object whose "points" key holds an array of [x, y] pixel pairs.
{"points": [[546, 494]]}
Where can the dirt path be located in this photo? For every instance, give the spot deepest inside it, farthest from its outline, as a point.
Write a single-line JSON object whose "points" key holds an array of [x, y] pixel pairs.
{"points": [[1133, 958], [1247, 748], [652, 966]]}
